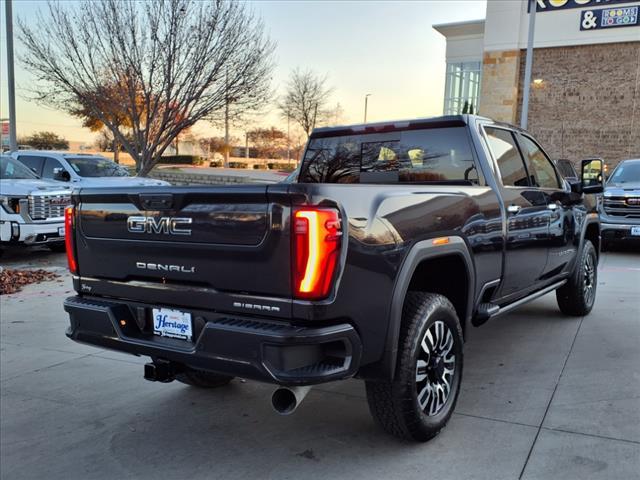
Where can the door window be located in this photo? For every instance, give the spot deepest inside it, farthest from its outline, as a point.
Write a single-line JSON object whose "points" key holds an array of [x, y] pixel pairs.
{"points": [[505, 151], [49, 165], [33, 162], [540, 167]]}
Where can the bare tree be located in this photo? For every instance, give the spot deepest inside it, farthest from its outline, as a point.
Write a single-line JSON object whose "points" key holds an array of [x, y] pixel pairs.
{"points": [[241, 112], [165, 64], [305, 99]]}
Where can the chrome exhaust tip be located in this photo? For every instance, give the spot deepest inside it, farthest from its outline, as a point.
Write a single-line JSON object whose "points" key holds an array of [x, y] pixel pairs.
{"points": [[286, 400]]}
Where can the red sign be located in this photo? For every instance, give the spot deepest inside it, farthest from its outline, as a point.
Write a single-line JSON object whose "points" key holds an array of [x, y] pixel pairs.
{"points": [[5, 128]]}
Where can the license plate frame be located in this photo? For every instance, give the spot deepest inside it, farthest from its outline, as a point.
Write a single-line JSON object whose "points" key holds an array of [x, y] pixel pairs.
{"points": [[635, 231], [171, 323]]}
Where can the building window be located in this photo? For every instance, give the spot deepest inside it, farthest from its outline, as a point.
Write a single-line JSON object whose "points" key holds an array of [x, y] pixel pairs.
{"points": [[462, 88]]}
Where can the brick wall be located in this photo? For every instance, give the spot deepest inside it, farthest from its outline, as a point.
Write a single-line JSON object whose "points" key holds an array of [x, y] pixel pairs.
{"points": [[588, 103], [499, 90]]}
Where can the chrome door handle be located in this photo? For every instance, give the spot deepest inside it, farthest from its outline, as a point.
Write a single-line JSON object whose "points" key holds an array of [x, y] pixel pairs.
{"points": [[552, 206], [513, 208]]}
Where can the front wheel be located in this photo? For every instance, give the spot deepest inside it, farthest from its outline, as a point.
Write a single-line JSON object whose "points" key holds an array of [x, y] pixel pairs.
{"points": [[419, 401], [577, 296]]}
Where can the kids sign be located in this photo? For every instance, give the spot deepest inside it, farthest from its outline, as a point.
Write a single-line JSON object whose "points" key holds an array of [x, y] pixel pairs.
{"points": [[609, 17]]}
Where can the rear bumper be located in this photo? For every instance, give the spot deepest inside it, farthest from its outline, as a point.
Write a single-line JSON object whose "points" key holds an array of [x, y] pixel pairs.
{"points": [[264, 350]]}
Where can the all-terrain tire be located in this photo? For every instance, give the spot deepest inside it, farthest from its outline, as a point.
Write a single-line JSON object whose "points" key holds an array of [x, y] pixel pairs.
{"points": [[202, 379], [577, 296], [396, 405]]}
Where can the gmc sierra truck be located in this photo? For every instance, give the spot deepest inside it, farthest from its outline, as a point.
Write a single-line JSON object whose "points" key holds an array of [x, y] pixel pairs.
{"points": [[374, 263]]}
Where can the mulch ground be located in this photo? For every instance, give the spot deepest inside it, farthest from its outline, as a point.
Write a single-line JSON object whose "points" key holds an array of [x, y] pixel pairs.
{"points": [[12, 281]]}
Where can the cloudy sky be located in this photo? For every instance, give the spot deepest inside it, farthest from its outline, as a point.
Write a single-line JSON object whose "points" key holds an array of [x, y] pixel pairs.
{"points": [[386, 48]]}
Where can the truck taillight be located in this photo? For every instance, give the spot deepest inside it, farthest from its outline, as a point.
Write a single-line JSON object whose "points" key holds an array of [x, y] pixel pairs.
{"points": [[69, 227], [316, 236]]}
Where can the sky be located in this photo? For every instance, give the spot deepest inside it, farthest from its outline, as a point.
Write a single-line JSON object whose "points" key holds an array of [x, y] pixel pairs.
{"points": [[383, 48]]}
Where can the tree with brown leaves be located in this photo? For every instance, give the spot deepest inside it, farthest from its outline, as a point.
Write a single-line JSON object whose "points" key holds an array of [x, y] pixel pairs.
{"points": [[163, 65]]}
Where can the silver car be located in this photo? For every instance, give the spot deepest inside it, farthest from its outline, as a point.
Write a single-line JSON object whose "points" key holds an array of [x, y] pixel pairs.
{"points": [[82, 170]]}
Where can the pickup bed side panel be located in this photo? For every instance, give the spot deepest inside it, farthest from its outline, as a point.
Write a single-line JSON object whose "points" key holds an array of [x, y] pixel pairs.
{"points": [[382, 224]]}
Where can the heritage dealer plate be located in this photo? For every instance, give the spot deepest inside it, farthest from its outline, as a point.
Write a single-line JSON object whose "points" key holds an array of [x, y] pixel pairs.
{"points": [[172, 323], [635, 231], [61, 231]]}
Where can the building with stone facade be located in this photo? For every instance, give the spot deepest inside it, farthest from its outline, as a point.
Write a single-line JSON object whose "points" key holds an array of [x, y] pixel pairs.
{"points": [[585, 90]]}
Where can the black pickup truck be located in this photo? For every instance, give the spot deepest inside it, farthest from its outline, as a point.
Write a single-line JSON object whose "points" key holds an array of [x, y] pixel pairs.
{"points": [[394, 239]]}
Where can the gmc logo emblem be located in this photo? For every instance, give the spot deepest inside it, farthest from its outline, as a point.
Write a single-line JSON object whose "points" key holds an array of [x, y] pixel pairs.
{"points": [[633, 201], [164, 225]]}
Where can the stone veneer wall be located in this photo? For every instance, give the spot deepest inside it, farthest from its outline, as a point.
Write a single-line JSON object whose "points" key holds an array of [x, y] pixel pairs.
{"points": [[499, 90], [588, 103], [183, 178]]}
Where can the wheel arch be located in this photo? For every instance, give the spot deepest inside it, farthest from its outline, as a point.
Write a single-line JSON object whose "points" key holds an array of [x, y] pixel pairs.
{"points": [[424, 255]]}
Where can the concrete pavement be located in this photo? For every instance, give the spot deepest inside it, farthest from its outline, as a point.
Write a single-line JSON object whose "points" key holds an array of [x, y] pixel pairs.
{"points": [[543, 396]]}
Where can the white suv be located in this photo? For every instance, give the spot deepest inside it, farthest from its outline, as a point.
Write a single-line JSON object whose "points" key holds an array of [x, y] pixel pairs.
{"points": [[79, 168], [31, 210]]}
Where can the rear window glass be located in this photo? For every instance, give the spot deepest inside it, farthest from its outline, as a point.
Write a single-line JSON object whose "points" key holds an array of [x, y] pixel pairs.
{"points": [[436, 155]]}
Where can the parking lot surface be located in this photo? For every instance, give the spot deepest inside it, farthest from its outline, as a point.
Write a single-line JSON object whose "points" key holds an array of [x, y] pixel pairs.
{"points": [[543, 396]]}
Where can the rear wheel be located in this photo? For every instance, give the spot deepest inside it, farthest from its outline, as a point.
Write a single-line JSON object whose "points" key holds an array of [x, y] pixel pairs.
{"points": [[419, 401], [202, 379], [577, 296]]}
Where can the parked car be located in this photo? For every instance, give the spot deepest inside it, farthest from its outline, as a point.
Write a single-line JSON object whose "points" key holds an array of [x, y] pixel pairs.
{"points": [[79, 168], [374, 263], [31, 210], [620, 208]]}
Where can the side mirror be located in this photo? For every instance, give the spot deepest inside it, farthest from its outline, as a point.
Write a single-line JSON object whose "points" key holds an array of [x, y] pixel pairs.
{"points": [[61, 175], [591, 175]]}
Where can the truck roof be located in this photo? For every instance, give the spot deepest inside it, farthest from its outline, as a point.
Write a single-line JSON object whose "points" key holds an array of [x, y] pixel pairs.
{"points": [[394, 125]]}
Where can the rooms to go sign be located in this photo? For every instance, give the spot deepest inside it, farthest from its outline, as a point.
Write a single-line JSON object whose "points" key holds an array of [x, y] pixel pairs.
{"points": [[623, 16], [552, 5]]}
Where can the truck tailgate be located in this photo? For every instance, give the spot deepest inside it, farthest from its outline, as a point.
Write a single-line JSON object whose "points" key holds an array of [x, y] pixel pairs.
{"points": [[227, 238]]}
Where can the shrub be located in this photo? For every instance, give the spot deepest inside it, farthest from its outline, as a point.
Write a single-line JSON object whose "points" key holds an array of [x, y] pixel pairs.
{"points": [[181, 159], [283, 166], [259, 166], [216, 163], [237, 165]]}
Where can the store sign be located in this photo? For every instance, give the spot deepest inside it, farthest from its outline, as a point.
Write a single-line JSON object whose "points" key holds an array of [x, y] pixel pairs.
{"points": [[553, 5], [4, 134], [609, 17]]}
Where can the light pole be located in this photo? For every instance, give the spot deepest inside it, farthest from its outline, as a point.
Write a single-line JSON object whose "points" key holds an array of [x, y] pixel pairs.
{"points": [[13, 141], [529, 61], [366, 101]]}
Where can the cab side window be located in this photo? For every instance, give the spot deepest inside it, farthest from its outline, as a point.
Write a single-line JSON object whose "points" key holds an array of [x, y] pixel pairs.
{"points": [[505, 150], [50, 164], [538, 164], [33, 162]]}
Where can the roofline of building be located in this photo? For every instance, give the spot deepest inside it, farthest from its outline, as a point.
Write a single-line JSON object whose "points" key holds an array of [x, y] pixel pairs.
{"points": [[457, 29]]}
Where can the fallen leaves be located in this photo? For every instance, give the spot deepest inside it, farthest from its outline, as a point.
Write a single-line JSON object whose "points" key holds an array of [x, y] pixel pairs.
{"points": [[12, 281]]}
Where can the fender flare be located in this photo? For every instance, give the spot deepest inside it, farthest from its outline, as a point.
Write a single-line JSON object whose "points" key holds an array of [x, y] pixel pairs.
{"points": [[591, 219], [423, 250]]}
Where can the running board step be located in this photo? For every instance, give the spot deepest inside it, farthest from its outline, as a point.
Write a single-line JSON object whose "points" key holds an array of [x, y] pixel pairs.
{"points": [[486, 311]]}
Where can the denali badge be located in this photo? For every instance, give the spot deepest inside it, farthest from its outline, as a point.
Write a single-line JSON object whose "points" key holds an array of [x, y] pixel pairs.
{"points": [[166, 225], [164, 267]]}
